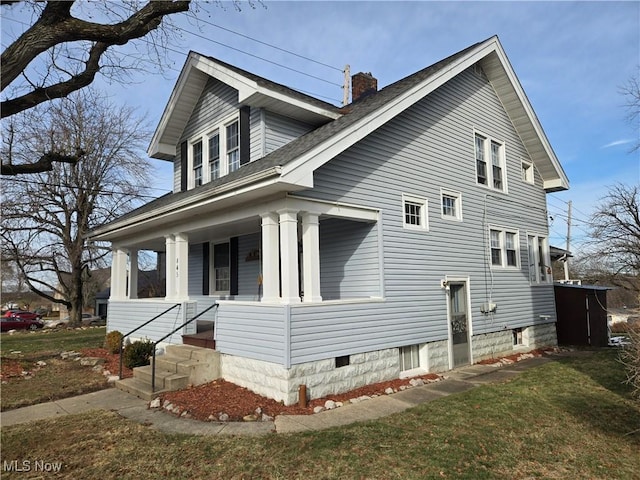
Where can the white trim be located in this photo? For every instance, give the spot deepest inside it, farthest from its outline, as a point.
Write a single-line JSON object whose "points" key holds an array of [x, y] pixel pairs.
{"points": [[457, 205], [528, 175], [488, 161], [423, 217], [503, 247]]}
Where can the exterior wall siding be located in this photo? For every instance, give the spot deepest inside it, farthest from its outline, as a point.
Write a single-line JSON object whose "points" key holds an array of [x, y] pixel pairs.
{"points": [[125, 316], [280, 130], [248, 267], [348, 259], [425, 149]]}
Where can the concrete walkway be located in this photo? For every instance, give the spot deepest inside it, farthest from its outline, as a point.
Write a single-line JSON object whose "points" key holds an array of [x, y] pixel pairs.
{"points": [[133, 408]]}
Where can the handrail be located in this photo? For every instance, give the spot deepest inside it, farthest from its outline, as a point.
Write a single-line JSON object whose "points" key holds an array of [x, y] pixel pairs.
{"points": [[138, 328], [153, 362]]}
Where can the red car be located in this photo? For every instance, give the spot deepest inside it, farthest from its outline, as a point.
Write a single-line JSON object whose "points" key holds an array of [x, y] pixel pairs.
{"points": [[20, 320]]}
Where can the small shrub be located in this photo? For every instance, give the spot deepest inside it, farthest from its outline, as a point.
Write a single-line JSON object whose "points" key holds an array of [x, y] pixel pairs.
{"points": [[112, 341], [138, 353]]}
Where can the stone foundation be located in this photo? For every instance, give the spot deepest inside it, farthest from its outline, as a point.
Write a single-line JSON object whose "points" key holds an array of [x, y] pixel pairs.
{"points": [[323, 378]]}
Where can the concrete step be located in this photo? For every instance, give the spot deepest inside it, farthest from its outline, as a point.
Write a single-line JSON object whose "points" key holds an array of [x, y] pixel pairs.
{"points": [[136, 387], [173, 364], [192, 352], [164, 379]]}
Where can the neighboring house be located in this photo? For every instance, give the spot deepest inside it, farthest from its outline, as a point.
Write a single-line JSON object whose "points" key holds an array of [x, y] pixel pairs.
{"points": [[403, 233]]}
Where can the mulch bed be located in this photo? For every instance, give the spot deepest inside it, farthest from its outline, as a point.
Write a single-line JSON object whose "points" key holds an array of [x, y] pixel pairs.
{"points": [[220, 396], [112, 360]]}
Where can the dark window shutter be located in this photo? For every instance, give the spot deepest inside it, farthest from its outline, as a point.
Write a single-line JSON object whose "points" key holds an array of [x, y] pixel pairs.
{"points": [[184, 151], [233, 264], [205, 268], [244, 136]]}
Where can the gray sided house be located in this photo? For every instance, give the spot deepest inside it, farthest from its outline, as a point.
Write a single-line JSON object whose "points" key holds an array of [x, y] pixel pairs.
{"points": [[403, 233]]}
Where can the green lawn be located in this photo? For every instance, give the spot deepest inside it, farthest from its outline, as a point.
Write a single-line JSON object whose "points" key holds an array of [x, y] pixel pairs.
{"points": [[568, 419]]}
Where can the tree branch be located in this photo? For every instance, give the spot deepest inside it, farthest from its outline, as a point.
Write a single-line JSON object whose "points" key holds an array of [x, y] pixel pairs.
{"points": [[56, 26], [44, 164]]}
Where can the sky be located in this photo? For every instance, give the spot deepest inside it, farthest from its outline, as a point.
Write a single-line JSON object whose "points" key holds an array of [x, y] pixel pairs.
{"points": [[572, 58]]}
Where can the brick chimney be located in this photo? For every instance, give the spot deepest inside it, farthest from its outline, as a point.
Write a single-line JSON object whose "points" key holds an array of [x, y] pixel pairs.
{"points": [[363, 85]]}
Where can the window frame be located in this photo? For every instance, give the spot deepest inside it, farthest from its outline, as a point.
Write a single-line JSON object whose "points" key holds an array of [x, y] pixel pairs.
{"points": [[502, 247], [423, 216], [528, 174], [204, 137], [457, 200], [213, 277], [486, 156], [535, 265]]}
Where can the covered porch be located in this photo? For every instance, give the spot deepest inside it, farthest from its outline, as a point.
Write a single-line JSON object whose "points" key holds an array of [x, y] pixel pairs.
{"points": [[286, 251]]}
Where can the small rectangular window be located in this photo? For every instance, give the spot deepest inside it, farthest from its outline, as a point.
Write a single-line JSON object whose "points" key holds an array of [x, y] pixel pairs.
{"points": [[342, 361], [409, 358], [527, 172], [517, 337], [414, 212], [451, 205]]}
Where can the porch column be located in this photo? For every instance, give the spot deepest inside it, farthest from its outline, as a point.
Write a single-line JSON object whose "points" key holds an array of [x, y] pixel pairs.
{"points": [[170, 265], [311, 257], [118, 274], [270, 258], [133, 273], [289, 255], [182, 265]]}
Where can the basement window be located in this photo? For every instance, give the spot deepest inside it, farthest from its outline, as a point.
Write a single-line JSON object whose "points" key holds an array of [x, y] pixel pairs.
{"points": [[342, 361], [517, 337]]}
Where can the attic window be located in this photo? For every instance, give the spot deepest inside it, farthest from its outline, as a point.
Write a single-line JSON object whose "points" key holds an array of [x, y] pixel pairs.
{"points": [[527, 172], [196, 150], [490, 163], [415, 212]]}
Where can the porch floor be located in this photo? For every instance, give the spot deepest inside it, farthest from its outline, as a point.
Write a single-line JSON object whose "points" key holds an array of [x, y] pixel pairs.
{"points": [[200, 339]]}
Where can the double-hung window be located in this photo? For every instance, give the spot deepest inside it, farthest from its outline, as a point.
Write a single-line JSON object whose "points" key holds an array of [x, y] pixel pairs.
{"points": [[503, 248], [196, 150], [490, 163], [233, 146], [215, 152], [221, 268], [214, 155], [539, 259]]}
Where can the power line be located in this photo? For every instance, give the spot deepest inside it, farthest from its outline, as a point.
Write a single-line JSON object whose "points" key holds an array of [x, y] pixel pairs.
{"points": [[268, 44]]}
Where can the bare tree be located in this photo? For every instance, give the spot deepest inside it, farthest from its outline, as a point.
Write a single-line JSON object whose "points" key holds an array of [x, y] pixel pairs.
{"points": [[631, 92], [615, 229], [61, 53], [46, 216]]}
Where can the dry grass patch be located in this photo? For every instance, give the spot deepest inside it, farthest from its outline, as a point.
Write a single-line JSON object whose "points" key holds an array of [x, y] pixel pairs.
{"points": [[567, 419]]}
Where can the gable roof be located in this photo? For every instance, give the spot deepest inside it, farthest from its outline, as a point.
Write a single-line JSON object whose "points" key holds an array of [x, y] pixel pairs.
{"points": [[293, 164], [252, 90]]}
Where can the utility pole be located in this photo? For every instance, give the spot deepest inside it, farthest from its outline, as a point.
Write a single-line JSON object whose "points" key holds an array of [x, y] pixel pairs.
{"points": [[346, 85], [566, 260]]}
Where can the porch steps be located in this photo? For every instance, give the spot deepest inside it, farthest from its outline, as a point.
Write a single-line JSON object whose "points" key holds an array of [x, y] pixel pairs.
{"points": [[180, 366]]}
